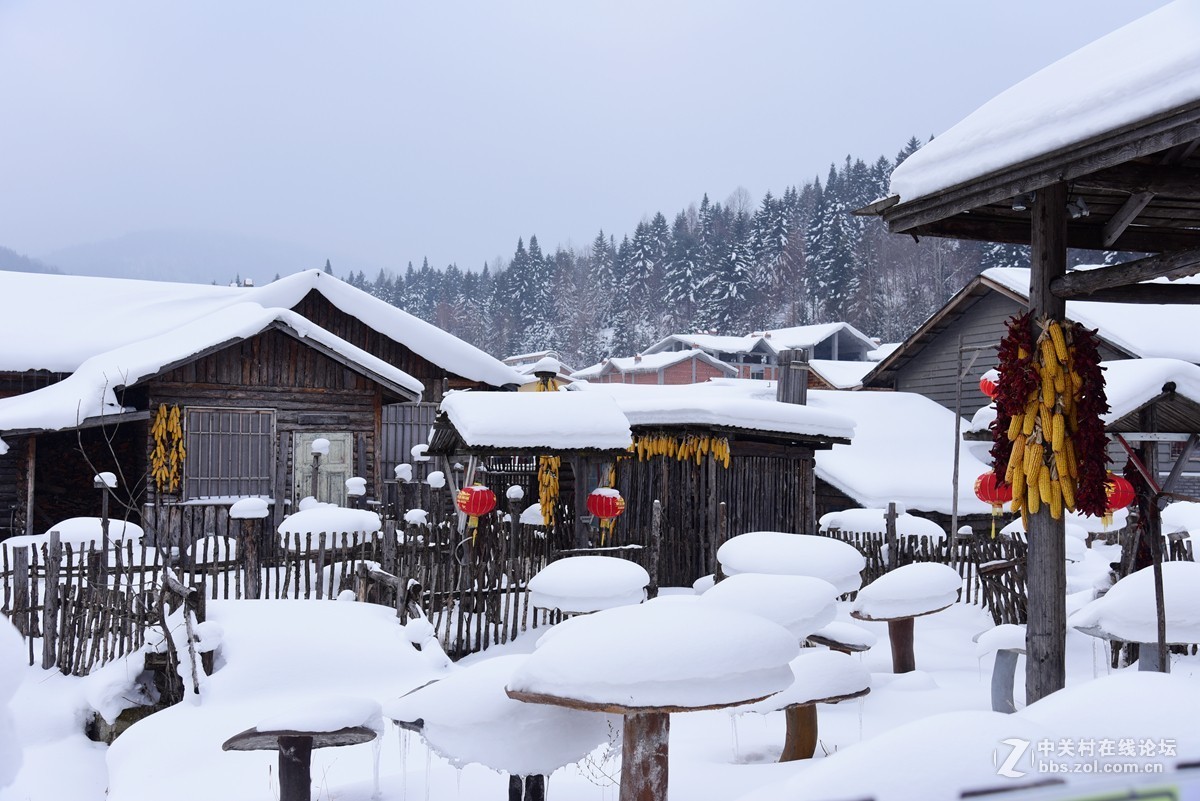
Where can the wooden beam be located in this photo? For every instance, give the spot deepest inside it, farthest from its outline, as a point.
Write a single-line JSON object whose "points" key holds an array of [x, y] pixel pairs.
{"points": [[1143, 293], [1046, 631], [1158, 179], [1088, 236], [1125, 215], [1176, 264]]}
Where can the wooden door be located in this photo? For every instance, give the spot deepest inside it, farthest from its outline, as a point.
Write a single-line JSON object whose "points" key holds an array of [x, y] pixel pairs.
{"points": [[336, 466]]}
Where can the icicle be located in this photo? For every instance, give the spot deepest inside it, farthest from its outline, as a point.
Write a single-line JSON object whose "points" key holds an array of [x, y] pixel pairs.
{"points": [[377, 747], [428, 770], [404, 745], [862, 704], [458, 783], [733, 721]]}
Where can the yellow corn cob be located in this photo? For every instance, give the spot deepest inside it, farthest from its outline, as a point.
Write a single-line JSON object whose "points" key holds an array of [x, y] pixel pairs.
{"points": [[1046, 418], [1018, 489], [1015, 460], [1032, 460], [1058, 432], [1049, 355], [1059, 340], [1066, 486], [1056, 501], [1028, 422], [1014, 426], [1048, 390], [1044, 483], [1060, 382], [1033, 499]]}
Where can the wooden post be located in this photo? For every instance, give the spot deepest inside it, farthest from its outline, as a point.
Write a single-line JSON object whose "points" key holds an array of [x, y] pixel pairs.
{"points": [[248, 537], [20, 602], [900, 634], [295, 756], [655, 543], [1160, 661], [30, 481], [644, 739], [578, 466], [793, 376], [389, 546], [50, 604], [316, 476], [801, 739], [1045, 634], [892, 545]]}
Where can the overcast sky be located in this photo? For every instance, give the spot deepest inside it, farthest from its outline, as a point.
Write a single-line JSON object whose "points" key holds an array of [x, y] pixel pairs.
{"points": [[389, 131]]}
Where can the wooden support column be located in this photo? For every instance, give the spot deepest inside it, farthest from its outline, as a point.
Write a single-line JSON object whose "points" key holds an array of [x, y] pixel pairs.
{"points": [[1045, 638], [30, 481], [644, 756]]}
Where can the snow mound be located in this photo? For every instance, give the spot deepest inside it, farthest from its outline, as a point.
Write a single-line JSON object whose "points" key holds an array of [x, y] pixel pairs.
{"points": [[1126, 612], [818, 675], [581, 584], [12, 661], [331, 520], [916, 589], [779, 553], [874, 521], [673, 652], [801, 604]]}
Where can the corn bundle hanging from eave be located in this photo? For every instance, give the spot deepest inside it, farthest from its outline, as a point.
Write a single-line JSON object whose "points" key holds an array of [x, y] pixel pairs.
{"points": [[166, 458], [690, 447], [1048, 433]]}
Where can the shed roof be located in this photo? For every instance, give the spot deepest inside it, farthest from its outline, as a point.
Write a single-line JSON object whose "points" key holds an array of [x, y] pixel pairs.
{"points": [[1117, 120], [653, 362], [772, 341]]}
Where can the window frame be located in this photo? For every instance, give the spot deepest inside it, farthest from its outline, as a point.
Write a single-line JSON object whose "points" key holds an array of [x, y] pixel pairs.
{"points": [[243, 484]]}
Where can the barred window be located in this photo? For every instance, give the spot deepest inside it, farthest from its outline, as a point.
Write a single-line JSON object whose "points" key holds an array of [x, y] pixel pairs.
{"points": [[230, 452]]}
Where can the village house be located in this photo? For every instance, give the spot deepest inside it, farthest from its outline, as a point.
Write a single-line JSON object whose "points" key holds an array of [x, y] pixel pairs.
{"points": [[248, 378]]}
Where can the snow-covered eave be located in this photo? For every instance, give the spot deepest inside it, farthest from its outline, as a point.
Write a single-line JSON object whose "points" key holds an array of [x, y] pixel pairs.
{"points": [[88, 396], [912, 503], [629, 365], [424, 339]]}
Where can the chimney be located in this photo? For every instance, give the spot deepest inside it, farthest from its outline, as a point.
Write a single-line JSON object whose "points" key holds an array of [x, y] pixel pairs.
{"points": [[793, 376], [637, 357]]}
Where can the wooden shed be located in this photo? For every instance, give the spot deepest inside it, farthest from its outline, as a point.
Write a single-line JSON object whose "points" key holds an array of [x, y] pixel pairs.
{"points": [[722, 458]]}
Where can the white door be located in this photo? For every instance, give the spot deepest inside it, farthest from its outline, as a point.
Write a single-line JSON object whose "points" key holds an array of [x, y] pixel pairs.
{"points": [[335, 466]]}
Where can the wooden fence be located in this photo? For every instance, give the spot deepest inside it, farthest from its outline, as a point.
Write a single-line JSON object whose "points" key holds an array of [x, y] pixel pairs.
{"points": [[993, 570], [89, 607]]}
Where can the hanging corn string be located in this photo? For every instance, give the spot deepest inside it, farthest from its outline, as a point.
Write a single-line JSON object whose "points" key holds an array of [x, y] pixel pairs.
{"points": [[166, 459], [689, 447]]}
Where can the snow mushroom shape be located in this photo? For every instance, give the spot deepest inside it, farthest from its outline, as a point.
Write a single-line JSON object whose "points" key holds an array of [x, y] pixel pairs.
{"points": [[921, 588], [1127, 611], [780, 553], [581, 584], [468, 718], [801, 604], [820, 677], [647, 661]]}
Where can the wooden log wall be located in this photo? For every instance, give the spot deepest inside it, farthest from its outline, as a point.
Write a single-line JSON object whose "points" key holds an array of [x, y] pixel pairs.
{"points": [[762, 493], [308, 391]]}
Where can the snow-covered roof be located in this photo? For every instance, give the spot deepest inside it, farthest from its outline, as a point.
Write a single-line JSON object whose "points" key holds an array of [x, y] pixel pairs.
{"points": [[89, 391], [773, 340], [1132, 383], [1141, 329], [733, 403], [589, 372], [63, 320], [652, 362], [1146, 68], [557, 420], [902, 451], [839, 374]]}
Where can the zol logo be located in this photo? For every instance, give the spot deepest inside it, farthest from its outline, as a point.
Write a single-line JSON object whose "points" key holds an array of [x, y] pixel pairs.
{"points": [[1007, 768]]}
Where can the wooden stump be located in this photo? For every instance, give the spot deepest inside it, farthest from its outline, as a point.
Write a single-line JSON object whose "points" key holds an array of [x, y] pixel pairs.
{"points": [[644, 739], [801, 739]]}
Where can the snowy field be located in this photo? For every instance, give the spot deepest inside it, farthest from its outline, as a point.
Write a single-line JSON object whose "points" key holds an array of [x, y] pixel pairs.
{"points": [[922, 735]]}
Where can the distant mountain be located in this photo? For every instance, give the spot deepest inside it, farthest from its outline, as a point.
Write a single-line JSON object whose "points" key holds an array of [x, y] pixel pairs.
{"points": [[195, 257], [11, 260]]}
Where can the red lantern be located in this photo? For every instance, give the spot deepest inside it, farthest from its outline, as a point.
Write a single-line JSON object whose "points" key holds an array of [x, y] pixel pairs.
{"points": [[989, 382], [606, 504], [475, 501], [1120, 494], [990, 489]]}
